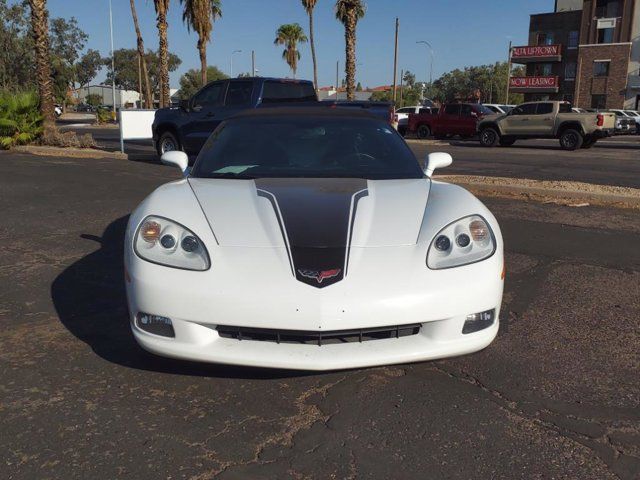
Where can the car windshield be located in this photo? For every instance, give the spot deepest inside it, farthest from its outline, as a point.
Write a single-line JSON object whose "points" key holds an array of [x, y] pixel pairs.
{"points": [[306, 146], [506, 108], [631, 113]]}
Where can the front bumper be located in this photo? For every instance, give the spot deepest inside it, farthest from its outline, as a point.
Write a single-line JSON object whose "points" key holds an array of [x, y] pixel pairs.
{"points": [[197, 302]]}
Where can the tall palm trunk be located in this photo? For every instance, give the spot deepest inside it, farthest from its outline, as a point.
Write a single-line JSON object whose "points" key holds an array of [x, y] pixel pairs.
{"points": [[40, 27], [148, 99], [350, 47], [202, 50], [161, 10], [313, 51]]}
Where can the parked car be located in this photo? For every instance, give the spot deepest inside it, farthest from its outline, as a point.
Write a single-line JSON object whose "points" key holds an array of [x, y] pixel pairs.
{"points": [[636, 117], [188, 126], [404, 112], [83, 107], [546, 120], [311, 238], [57, 110], [451, 119], [625, 124], [496, 108]]}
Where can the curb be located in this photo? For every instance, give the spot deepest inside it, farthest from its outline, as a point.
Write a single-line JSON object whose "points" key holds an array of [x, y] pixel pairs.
{"points": [[561, 192], [68, 152]]}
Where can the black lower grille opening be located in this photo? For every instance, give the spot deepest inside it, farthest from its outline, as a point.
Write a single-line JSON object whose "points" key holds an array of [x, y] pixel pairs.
{"points": [[303, 337]]}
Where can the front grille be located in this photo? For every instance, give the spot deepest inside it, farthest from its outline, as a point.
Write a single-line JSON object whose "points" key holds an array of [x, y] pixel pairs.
{"points": [[304, 337]]}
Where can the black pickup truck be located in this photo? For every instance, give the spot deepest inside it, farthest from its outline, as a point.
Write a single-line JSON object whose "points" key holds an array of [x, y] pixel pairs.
{"points": [[188, 126]]}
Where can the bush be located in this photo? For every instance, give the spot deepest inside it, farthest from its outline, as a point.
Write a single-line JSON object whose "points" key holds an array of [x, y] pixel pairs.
{"points": [[20, 119], [53, 137], [93, 99], [103, 115]]}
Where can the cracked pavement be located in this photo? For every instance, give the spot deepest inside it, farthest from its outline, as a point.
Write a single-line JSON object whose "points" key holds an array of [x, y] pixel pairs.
{"points": [[555, 396]]}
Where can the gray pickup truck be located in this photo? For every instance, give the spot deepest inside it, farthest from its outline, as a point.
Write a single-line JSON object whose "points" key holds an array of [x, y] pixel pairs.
{"points": [[546, 120]]}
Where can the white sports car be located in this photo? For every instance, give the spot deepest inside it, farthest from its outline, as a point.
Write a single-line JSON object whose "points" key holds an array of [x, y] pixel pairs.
{"points": [[310, 238]]}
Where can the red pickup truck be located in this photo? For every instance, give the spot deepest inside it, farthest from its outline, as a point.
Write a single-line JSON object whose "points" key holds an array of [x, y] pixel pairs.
{"points": [[452, 119]]}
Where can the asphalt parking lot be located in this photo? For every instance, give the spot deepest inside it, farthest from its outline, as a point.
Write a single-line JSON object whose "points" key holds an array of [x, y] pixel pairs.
{"points": [[555, 396]]}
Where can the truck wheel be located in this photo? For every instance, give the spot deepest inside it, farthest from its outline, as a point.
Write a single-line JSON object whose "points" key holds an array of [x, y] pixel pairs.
{"points": [[489, 137], [507, 142], [589, 142], [424, 131], [167, 143], [571, 139]]}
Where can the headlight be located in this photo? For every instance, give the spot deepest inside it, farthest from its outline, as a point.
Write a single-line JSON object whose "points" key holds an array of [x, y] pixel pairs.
{"points": [[162, 241], [462, 242]]}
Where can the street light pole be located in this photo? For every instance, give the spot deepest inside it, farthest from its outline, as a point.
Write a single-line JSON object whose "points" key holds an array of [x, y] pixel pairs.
{"points": [[424, 42], [232, 53], [113, 64]]}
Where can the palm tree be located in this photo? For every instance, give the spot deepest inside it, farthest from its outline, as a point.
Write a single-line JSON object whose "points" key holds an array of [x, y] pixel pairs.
{"points": [[148, 99], [309, 5], [40, 28], [163, 70], [200, 15], [289, 35], [349, 12]]}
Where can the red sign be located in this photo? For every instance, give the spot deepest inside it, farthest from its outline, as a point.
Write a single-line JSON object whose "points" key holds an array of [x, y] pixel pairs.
{"points": [[534, 83], [536, 51]]}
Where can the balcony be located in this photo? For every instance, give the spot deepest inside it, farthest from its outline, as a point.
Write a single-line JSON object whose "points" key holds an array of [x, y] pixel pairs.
{"points": [[536, 53], [550, 84]]}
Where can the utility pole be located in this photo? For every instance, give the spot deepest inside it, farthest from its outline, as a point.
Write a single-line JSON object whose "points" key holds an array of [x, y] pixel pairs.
{"points": [[506, 98], [337, 76], [395, 62], [113, 64], [232, 53], [140, 80], [253, 63], [401, 86]]}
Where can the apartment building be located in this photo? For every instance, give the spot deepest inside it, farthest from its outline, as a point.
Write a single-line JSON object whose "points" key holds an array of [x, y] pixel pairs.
{"points": [[586, 52]]}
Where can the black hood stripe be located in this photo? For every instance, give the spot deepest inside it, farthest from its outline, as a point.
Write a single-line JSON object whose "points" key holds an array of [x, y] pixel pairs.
{"points": [[316, 217]]}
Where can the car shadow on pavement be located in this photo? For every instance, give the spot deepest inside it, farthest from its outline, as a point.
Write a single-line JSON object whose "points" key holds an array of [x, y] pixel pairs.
{"points": [[90, 299]]}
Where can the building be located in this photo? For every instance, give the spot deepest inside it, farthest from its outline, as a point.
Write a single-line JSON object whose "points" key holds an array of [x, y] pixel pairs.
{"points": [[124, 98], [586, 52]]}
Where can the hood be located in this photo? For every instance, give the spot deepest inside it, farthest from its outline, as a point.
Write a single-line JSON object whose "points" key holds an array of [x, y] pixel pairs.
{"points": [[318, 220]]}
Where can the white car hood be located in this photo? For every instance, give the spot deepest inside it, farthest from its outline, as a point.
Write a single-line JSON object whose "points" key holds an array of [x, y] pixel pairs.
{"points": [[318, 220]]}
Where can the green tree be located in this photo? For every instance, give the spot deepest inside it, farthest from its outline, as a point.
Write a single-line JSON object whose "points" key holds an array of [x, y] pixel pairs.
{"points": [[409, 78], [88, 67], [309, 5], [290, 35], [67, 41], [190, 82], [359, 87], [200, 16], [93, 99], [17, 61], [349, 12], [126, 63]]}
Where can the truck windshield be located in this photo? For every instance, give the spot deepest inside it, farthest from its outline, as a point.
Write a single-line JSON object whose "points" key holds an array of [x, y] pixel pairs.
{"points": [[306, 146], [287, 91]]}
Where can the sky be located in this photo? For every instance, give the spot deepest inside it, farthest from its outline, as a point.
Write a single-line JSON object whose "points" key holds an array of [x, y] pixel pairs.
{"points": [[461, 32]]}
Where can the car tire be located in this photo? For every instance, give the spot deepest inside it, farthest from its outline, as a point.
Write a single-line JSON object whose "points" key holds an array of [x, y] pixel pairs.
{"points": [[571, 139], [167, 143], [507, 142], [489, 137], [424, 131]]}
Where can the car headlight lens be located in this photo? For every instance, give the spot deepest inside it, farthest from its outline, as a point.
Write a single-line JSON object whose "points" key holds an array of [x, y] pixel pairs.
{"points": [[165, 242], [462, 242]]}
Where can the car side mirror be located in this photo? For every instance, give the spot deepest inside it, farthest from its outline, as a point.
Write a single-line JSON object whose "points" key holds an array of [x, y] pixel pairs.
{"points": [[437, 160], [474, 114], [177, 159]]}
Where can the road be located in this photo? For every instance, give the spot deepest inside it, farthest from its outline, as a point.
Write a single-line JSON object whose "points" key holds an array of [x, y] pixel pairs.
{"points": [[614, 161], [555, 396]]}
